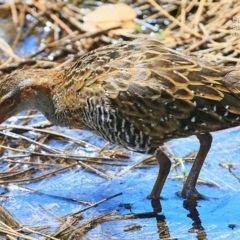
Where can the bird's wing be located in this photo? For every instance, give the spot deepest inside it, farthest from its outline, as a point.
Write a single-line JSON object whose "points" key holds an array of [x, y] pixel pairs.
{"points": [[160, 91]]}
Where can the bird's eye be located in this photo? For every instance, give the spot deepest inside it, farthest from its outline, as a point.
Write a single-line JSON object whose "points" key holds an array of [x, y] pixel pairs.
{"points": [[8, 102]]}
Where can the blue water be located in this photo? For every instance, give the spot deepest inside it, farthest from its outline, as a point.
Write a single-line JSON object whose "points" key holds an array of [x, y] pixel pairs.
{"points": [[210, 218]]}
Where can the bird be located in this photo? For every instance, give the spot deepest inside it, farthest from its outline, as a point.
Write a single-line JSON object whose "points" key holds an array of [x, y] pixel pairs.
{"points": [[137, 94]]}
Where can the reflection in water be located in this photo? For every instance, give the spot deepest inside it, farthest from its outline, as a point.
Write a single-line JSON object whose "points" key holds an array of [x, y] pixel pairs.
{"points": [[156, 205], [163, 229], [162, 226], [191, 206]]}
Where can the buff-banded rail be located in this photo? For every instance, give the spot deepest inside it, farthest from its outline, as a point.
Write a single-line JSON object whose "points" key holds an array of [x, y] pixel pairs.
{"points": [[136, 94]]}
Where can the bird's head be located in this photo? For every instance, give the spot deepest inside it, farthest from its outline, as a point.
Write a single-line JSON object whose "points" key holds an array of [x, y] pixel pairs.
{"points": [[11, 97], [24, 90]]}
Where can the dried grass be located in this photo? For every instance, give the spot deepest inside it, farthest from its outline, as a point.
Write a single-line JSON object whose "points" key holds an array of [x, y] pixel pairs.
{"points": [[207, 29]]}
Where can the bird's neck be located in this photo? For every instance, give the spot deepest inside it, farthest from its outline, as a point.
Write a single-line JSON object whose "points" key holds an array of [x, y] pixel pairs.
{"points": [[39, 88]]}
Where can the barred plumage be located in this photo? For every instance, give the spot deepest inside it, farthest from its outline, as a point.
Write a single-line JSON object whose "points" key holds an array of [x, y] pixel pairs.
{"points": [[137, 94]]}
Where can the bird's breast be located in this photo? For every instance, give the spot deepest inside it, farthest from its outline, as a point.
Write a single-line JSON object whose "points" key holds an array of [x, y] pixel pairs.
{"points": [[112, 125]]}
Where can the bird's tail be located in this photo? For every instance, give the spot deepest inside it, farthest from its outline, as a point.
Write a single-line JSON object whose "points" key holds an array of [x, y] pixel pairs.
{"points": [[231, 80]]}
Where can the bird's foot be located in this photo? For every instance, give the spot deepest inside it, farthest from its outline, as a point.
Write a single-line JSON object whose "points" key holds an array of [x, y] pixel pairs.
{"points": [[191, 194]]}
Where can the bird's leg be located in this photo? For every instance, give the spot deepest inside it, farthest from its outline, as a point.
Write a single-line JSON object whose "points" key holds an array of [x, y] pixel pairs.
{"points": [[189, 191], [165, 165]]}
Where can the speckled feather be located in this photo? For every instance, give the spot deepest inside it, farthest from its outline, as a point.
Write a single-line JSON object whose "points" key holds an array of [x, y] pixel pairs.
{"points": [[136, 94], [140, 94]]}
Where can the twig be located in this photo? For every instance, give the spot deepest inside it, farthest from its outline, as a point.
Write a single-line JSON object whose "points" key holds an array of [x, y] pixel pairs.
{"points": [[95, 204]]}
